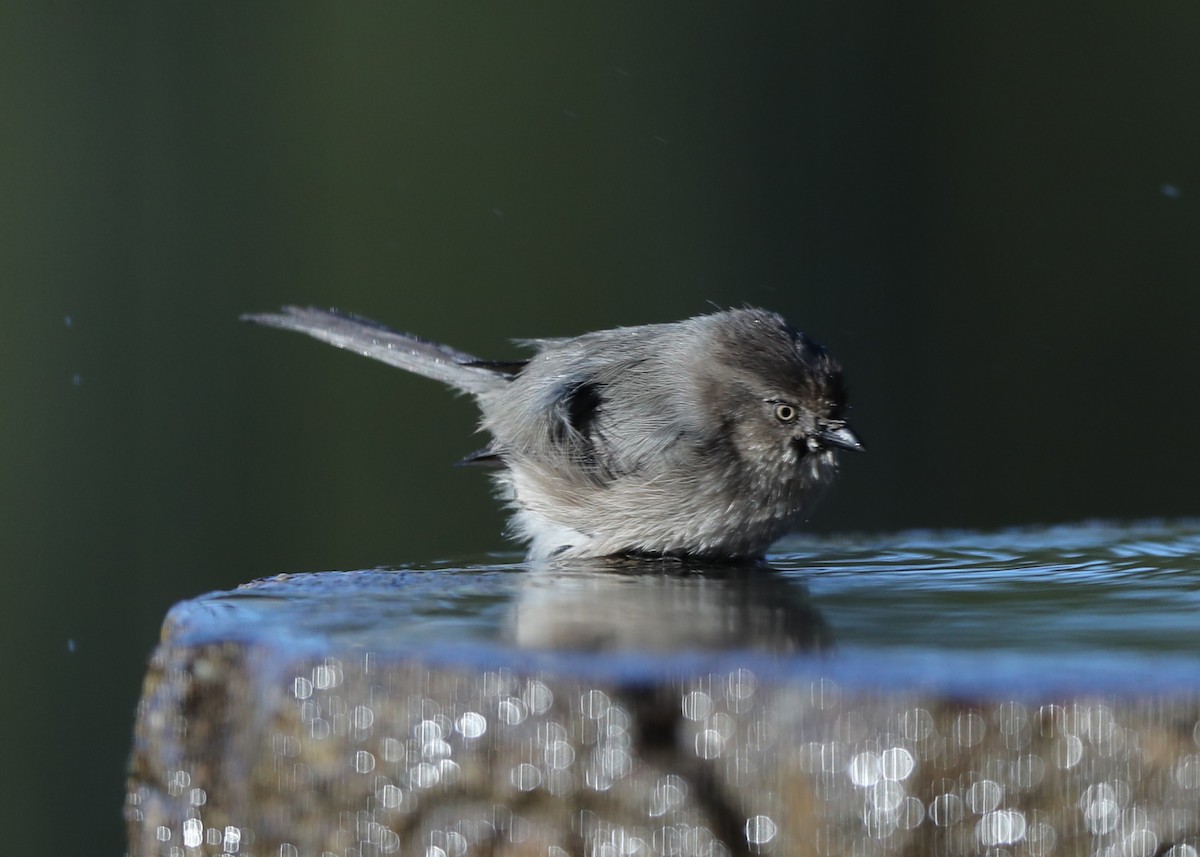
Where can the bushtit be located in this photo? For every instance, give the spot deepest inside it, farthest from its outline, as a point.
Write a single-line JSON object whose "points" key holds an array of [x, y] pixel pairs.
{"points": [[707, 438]]}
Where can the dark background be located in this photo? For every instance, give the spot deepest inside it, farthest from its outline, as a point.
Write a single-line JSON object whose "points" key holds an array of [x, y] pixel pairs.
{"points": [[987, 211]]}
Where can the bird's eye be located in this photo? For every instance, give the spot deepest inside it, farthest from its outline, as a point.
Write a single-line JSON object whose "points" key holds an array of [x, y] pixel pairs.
{"points": [[784, 412]]}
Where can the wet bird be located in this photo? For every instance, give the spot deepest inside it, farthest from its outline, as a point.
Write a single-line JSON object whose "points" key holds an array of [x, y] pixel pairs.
{"points": [[708, 438]]}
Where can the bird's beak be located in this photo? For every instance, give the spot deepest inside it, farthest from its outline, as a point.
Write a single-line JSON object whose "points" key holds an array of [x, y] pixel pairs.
{"points": [[836, 433]]}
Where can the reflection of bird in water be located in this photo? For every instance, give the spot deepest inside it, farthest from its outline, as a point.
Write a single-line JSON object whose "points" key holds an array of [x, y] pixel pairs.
{"points": [[656, 606]]}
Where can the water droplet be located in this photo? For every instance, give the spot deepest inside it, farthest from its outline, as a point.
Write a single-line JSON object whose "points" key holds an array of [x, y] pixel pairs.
{"points": [[363, 717], [760, 830], [1187, 772], [697, 705], [724, 724], [551, 731], [471, 725], [1040, 839], [916, 724], [1028, 771], [538, 697], [833, 757], [669, 792], [453, 843], [526, 777], [879, 823], [436, 749], [709, 744], [887, 796], [424, 775], [1003, 827], [193, 833], [896, 763], [969, 729], [511, 711], [617, 721], [946, 810], [1013, 719], [615, 762], [594, 704], [984, 796], [388, 841], [427, 730], [327, 675], [1101, 814], [742, 684], [825, 694], [448, 771], [911, 813], [177, 781], [864, 769], [559, 755], [364, 762], [1140, 842], [393, 750], [390, 796], [1066, 752], [1050, 720]]}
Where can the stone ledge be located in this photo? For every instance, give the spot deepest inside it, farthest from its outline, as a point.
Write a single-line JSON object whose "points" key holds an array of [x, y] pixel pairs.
{"points": [[242, 750]]}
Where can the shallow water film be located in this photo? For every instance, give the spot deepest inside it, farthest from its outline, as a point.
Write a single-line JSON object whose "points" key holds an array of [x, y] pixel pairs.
{"points": [[1028, 692]]}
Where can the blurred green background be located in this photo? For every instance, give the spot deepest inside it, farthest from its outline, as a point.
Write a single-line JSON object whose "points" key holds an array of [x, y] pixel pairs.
{"points": [[987, 211]]}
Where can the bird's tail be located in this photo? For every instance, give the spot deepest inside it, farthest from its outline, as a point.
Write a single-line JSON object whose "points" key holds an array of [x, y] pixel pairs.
{"points": [[372, 339]]}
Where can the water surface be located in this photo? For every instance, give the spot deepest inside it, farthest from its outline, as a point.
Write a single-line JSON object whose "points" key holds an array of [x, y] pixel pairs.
{"points": [[1089, 608]]}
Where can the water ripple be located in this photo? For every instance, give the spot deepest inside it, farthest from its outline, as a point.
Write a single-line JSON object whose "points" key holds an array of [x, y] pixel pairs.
{"points": [[1099, 604]]}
